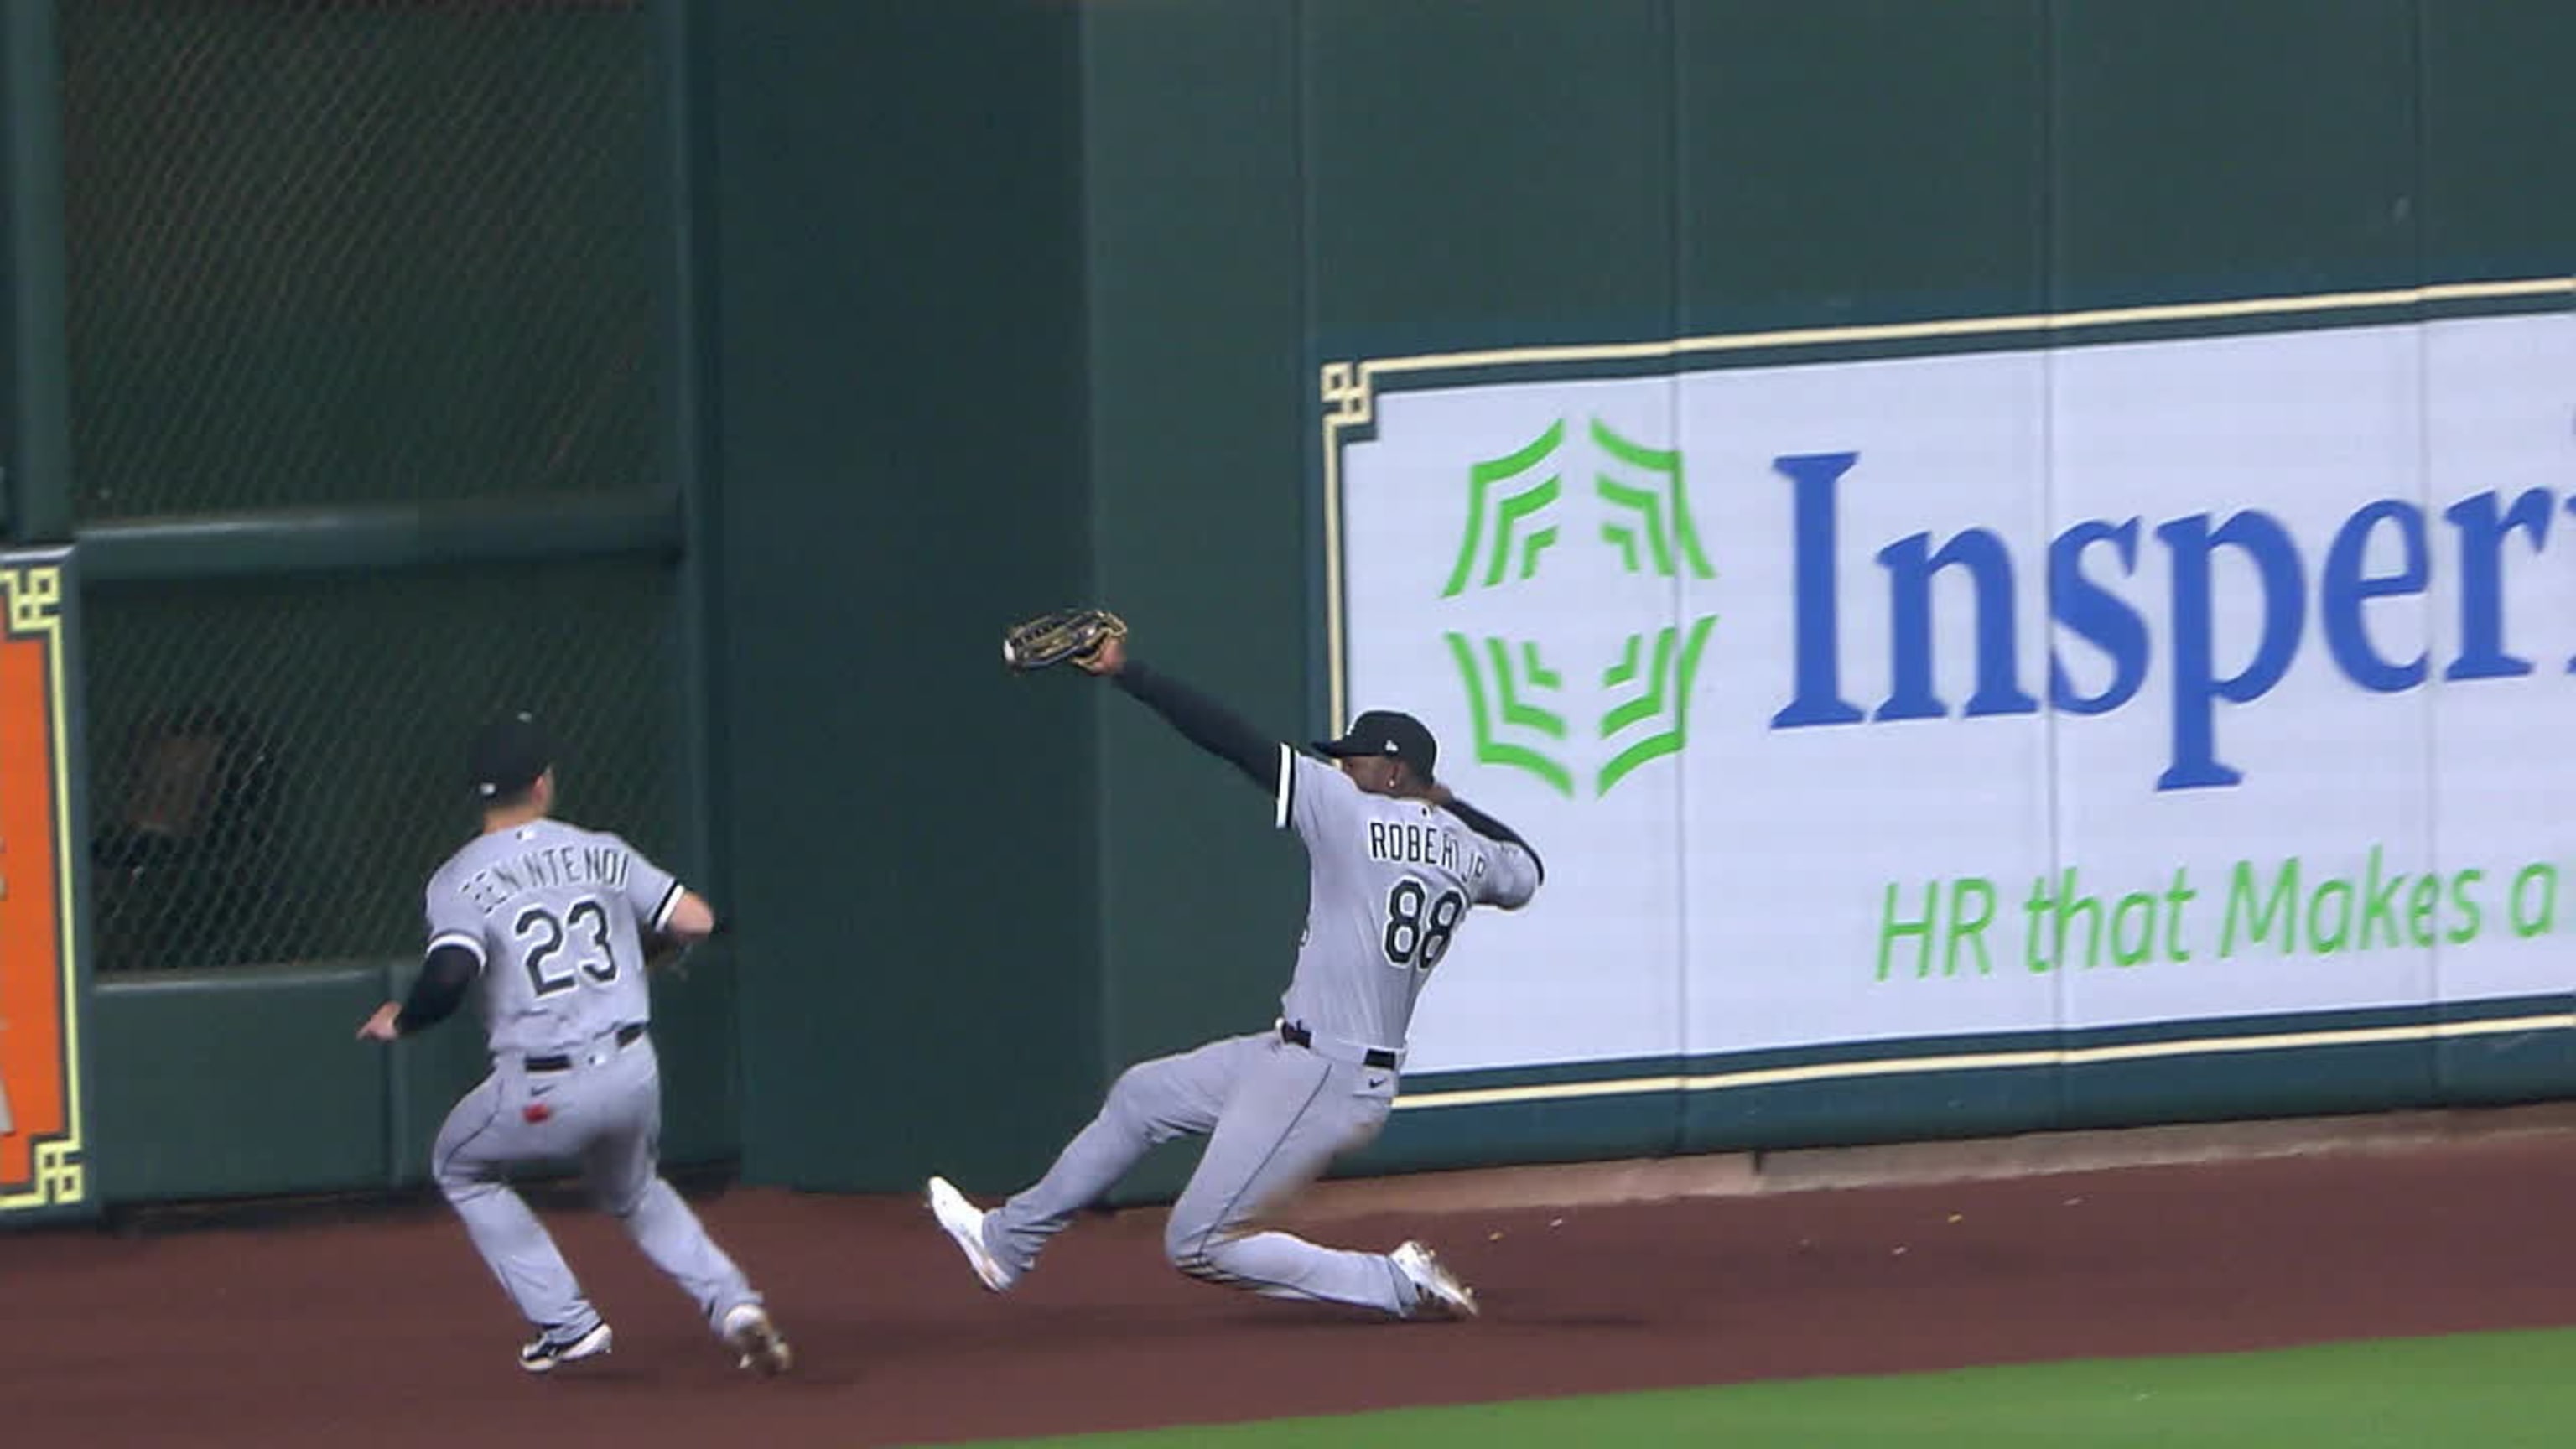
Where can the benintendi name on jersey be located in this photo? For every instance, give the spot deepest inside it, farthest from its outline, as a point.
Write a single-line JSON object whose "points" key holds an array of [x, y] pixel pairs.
{"points": [[561, 865]]}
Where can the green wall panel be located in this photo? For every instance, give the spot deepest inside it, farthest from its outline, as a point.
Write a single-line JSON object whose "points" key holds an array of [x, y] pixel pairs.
{"points": [[1582, 1130], [2533, 1066], [1927, 1107], [238, 1083], [2497, 110], [899, 459], [2371, 1077], [1800, 207], [1198, 385], [1501, 173], [1918, 1107], [2218, 148], [694, 1028]]}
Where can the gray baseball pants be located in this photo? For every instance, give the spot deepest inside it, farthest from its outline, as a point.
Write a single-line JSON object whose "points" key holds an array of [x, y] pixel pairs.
{"points": [[1275, 1117], [605, 1113]]}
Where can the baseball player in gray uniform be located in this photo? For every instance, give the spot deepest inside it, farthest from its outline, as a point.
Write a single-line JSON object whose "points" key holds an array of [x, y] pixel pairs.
{"points": [[550, 921], [1395, 862]]}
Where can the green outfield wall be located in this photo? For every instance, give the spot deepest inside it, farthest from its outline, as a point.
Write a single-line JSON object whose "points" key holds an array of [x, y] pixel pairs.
{"points": [[1338, 183], [842, 336]]}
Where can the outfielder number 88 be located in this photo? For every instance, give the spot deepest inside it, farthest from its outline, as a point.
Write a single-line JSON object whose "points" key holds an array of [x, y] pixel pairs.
{"points": [[1416, 938]]}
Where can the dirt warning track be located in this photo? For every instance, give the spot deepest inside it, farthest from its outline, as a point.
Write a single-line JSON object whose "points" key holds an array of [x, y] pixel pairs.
{"points": [[383, 1330]]}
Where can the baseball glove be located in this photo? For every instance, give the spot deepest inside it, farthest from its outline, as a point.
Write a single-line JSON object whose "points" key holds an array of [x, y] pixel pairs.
{"points": [[669, 955], [1056, 637], [666, 954]]}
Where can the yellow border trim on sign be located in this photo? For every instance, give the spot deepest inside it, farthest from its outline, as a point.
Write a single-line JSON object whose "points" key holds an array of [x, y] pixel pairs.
{"points": [[35, 599], [1349, 389], [1983, 1061]]}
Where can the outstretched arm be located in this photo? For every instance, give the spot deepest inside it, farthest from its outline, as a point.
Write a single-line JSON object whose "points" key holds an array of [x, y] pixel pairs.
{"points": [[435, 995], [455, 958], [1200, 720]]}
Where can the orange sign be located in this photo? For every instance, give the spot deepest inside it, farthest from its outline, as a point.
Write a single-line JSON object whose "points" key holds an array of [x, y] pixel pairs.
{"points": [[40, 1107]]}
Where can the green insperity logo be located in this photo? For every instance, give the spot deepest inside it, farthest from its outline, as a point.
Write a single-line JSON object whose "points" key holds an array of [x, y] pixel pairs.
{"points": [[1518, 510]]}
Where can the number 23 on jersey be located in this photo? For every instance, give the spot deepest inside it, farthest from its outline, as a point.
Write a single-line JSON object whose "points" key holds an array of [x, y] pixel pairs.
{"points": [[542, 937]]}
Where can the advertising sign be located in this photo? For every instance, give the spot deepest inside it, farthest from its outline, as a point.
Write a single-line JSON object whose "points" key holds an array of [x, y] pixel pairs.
{"points": [[2027, 682], [41, 1165]]}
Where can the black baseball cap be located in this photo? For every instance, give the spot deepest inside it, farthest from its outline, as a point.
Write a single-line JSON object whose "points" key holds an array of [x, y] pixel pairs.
{"points": [[508, 755], [1389, 733]]}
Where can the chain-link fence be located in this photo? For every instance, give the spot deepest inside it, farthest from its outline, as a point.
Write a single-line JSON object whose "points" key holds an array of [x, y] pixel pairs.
{"points": [[356, 251], [347, 252], [277, 767]]}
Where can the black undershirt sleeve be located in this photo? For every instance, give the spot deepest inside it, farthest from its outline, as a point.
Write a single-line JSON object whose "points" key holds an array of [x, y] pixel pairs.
{"points": [[1223, 733], [438, 990], [1492, 829], [1204, 722]]}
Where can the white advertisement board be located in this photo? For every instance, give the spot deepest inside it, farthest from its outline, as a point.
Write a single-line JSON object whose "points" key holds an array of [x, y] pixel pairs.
{"points": [[2046, 688]]}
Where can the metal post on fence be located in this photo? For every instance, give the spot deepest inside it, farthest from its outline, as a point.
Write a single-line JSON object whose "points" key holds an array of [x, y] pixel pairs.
{"points": [[684, 459], [36, 494]]}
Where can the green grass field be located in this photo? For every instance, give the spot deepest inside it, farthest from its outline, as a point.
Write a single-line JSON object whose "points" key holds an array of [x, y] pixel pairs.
{"points": [[2476, 1391]]}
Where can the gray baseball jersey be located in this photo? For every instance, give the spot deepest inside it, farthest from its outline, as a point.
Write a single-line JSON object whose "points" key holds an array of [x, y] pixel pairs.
{"points": [[556, 915], [1390, 882]]}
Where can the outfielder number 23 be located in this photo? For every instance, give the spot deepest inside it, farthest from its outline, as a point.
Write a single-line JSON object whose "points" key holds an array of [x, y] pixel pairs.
{"points": [[1415, 937], [586, 916]]}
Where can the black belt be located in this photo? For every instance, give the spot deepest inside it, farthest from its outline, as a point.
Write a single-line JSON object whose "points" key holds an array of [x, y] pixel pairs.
{"points": [[626, 1036], [1298, 1036]]}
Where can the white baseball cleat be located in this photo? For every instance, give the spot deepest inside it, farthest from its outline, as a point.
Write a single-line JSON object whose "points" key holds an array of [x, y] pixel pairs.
{"points": [[964, 1222], [546, 1353], [1442, 1295], [749, 1331]]}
